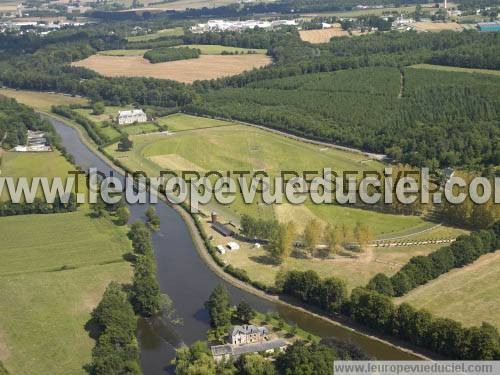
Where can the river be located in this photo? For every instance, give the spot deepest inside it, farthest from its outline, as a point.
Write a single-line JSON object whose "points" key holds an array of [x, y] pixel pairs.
{"points": [[188, 281]]}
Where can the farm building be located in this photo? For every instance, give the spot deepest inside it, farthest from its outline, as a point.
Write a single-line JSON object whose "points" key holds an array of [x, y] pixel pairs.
{"points": [[130, 117]]}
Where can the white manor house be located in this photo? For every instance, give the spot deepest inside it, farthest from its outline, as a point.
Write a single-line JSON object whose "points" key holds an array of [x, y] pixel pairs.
{"points": [[131, 116]]}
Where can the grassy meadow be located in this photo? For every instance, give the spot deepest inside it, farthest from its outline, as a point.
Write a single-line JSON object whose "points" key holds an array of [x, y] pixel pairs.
{"points": [[179, 122], [468, 295], [455, 69], [175, 31], [41, 100], [123, 52], [53, 272], [226, 146], [35, 164]]}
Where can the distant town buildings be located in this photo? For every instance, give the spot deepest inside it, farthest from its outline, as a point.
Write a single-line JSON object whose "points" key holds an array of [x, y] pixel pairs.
{"points": [[36, 142], [131, 116], [223, 25], [247, 339]]}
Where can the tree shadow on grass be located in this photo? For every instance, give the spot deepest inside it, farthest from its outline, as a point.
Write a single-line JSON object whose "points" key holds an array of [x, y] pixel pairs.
{"points": [[265, 259]]}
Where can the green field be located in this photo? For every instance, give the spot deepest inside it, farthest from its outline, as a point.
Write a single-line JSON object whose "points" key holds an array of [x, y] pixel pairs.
{"points": [[238, 147], [469, 295], [41, 100], [215, 49], [103, 121], [60, 240], [455, 69], [142, 128], [179, 122], [31, 164], [123, 52], [176, 31]]}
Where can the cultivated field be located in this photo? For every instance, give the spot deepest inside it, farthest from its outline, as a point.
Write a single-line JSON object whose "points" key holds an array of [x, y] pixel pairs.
{"points": [[437, 26], [322, 35], [238, 147], [469, 295], [455, 69], [41, 100], [204, 67]]}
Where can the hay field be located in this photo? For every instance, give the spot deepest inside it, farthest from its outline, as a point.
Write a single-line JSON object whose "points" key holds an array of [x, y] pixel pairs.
{"points": [[204, 67], [322, 35], [469, 294], [437, 26]]}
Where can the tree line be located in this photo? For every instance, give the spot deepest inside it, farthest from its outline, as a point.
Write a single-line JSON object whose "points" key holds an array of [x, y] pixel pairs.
{"points": [[377, 311], [164, 54], [421, 269]]}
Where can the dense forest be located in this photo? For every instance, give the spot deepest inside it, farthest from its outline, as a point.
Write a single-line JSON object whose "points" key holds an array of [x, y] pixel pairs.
{"points": [[417, 116], [163, 54]]}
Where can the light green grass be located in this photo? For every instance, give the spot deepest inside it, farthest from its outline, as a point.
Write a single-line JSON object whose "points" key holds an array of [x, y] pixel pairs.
{"points": [[36, 164], [215, 49], [41, 100], [33, 243], [239, 147], [108, 116], [142, 128], [455, 69], [469, 295], [180, 122], [176, 31], [43, 316], [123, 52]]}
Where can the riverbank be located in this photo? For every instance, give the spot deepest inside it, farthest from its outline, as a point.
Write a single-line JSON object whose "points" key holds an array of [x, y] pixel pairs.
{"points": [[212, 265]]}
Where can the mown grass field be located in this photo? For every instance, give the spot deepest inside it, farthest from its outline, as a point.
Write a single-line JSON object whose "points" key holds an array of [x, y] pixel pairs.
{"points": [[237, 147], [39, 164], [175, 31], [41, 100], [455, 69], [123, 52], [469, 295], [180, 122], [142, 128], [53, 272], [61, 240]]}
